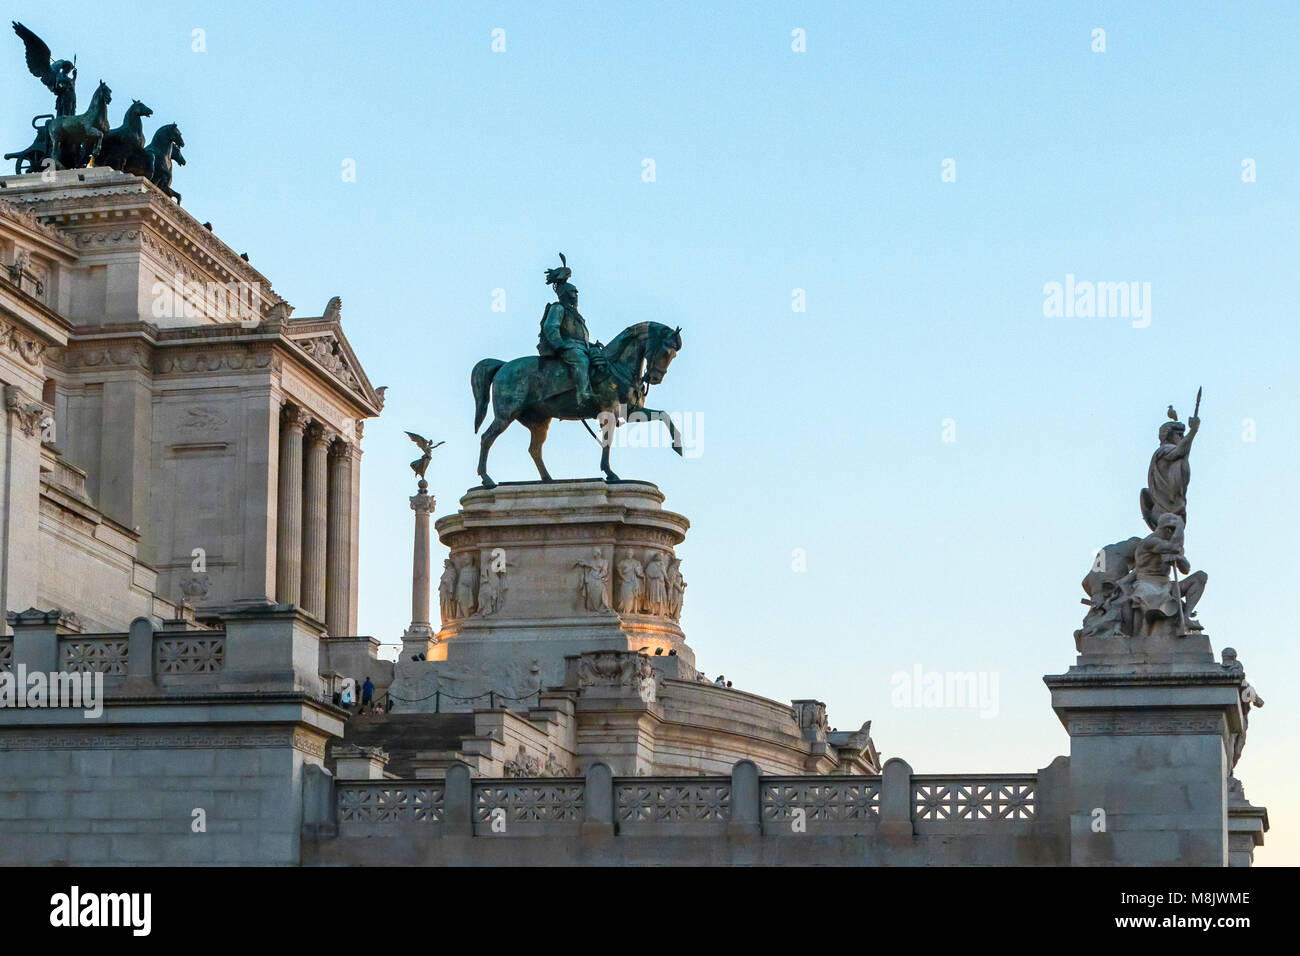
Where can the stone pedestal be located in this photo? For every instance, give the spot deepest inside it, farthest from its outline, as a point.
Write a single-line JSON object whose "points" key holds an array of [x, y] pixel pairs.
{"points": [[1247, 825], [1151, 727], [538, 571]]}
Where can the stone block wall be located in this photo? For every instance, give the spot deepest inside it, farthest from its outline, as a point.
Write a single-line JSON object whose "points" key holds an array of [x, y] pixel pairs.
{"points": [[197, 755], [129, 796]]}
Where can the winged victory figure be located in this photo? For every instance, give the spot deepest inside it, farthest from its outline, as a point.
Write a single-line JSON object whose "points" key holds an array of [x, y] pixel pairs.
{"points": [[420, 464], [59, 76]]}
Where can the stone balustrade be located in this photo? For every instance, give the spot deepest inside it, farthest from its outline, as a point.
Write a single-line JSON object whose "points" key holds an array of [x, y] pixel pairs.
{"points": [[174, 653], [105, 654], [274, 648], [891, 816]]}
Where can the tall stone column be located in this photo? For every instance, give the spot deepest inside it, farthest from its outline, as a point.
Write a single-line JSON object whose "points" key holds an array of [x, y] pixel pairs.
{"points": [[314, 519], [338, 546], [20, 469], [288, 523], [418, 636]]}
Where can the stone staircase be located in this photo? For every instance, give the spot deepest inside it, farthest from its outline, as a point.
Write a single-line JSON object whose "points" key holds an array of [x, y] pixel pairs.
{"points": [[418, 745]]}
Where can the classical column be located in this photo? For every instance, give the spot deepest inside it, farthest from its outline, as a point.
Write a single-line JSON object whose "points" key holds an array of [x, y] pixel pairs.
{"points": [[338, 544], [288, 523], [20, 471], [314, 525], [418, 635]]}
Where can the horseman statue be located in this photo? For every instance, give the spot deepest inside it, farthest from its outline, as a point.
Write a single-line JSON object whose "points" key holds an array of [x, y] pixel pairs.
{"points": [[564, 332], [574, 379]]}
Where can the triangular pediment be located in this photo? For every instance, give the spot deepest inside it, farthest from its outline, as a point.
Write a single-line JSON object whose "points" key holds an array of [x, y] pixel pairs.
{"points": [[323, 341]]}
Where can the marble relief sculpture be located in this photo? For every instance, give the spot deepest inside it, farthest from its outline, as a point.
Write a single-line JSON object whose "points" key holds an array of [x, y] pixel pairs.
{"points": [[595, 575], [492, 586], [631, 576], [447, 591], [676, 588], [195, 588], [467, 589], [656, 585]]}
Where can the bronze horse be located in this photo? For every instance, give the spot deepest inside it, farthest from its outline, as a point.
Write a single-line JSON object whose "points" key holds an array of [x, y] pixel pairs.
{"points": [[75, 141], [71, 141], [125, 145], [533, 390], [163, 149]]}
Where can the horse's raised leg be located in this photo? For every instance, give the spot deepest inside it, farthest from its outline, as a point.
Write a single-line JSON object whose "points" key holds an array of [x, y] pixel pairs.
{"points": [[653, 413], [535, 448], [489, 436]]}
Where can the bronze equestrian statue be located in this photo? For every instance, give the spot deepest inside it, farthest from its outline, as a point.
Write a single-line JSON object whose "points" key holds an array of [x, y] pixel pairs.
{"points": [[573, 380]]}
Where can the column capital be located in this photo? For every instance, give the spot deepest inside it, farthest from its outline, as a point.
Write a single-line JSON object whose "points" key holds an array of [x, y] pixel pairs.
{"points": [[293, 417], [342, 450], [319, 433], [27, 412], [423, 503]]}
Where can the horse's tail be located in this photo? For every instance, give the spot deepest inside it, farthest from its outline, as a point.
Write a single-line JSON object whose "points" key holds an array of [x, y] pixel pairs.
{"points": [[480, 380]]}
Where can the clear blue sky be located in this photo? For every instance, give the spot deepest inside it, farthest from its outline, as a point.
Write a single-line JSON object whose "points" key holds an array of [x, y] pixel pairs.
{"points": [[819, 170]]}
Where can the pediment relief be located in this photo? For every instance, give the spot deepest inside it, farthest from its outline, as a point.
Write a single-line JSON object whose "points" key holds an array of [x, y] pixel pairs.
{"points": [[327, 351], [322, 339]]}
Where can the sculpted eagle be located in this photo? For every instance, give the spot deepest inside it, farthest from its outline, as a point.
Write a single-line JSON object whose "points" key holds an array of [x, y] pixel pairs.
{"points": [[59, 76]]}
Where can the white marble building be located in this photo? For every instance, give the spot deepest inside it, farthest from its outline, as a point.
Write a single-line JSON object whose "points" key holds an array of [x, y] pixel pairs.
{"points": [[173, 434]]}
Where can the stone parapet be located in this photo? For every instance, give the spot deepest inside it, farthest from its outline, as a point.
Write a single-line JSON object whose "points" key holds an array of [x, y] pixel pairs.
{"points": [[744, 817]]}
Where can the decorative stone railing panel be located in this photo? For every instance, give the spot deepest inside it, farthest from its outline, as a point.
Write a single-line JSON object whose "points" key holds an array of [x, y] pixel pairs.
{"points": [[953, 802], [536, 806], [663, 805], [891, 814], [82, 654], [820, 804], [375, 807], [189, 654]]}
